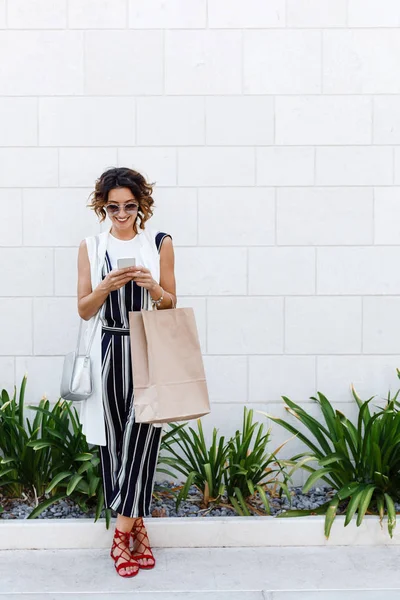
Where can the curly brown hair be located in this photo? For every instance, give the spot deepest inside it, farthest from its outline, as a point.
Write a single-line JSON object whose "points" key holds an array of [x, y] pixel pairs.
{"points": [[123, 177]]}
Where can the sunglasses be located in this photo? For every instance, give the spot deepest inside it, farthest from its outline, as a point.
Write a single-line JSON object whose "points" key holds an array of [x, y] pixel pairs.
{"points": [[113, 209]]}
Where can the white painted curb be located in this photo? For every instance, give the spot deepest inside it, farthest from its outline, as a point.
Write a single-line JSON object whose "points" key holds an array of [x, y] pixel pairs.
{"points": [[195, 532]]}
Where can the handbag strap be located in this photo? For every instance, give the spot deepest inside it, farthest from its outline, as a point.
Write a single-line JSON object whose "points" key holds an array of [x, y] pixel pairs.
{"points": [[97, 318], [95, 324]]}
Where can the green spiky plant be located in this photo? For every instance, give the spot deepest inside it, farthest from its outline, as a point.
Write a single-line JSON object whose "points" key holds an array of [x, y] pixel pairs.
{"points": [[75, 469], [360, 461], [21, 468], [239, 468], [47, 457], [250, 467], [202, 466]]}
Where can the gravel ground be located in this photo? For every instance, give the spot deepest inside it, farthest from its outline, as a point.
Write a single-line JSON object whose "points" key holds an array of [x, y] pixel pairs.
{"points": [[163, 505]]}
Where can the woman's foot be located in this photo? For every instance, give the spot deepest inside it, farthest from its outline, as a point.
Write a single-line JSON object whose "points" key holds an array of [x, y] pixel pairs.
{"points": [[126, 565], [141, 550]]}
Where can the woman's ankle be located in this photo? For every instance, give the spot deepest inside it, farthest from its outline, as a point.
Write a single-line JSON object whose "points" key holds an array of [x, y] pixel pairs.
{"points": [[124, 524]]}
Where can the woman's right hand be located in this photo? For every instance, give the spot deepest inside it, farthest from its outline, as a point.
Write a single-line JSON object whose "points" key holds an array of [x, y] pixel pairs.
{"points": [[116, 279]]}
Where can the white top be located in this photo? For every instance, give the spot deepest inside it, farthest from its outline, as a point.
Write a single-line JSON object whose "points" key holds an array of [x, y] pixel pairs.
{"points": [[92, 409], [117, 248]]}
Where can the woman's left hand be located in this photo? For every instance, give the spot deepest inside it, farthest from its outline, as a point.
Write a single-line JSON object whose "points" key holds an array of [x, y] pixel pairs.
{"points": [[144, 278]]}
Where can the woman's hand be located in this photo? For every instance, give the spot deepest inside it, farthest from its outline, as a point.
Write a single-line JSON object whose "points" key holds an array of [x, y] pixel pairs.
{"points": [[144, 278], [117, 278]]}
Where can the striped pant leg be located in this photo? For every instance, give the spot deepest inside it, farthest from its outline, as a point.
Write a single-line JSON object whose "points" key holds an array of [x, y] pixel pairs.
{"points": [[114, 413], [129, 459], [135, 480]]}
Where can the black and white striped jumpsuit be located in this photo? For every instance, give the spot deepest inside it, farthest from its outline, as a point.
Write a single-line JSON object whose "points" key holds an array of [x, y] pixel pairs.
{"points": [[129, 458]]}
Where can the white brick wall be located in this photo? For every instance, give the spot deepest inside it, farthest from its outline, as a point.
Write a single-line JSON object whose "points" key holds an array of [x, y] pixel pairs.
{"points": [[272, 131], [173, 14], [361, 61], [43, 14], [316, 13], [370, 13], [282, 62], [3, 16], [203, 62]]}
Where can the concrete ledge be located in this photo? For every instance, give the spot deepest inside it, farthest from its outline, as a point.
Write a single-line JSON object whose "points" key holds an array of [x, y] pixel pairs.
{"points": [[195, 532]]}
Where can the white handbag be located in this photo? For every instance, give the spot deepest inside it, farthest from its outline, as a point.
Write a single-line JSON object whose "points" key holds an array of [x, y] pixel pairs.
{"points": [[76, 379]]}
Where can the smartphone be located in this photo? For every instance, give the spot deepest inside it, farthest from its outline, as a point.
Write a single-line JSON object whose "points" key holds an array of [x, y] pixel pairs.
{"points": [[122, 263]]}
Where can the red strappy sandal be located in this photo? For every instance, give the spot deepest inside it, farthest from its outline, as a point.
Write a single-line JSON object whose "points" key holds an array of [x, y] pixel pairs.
{"points": [[123, 537], [139, 534]]}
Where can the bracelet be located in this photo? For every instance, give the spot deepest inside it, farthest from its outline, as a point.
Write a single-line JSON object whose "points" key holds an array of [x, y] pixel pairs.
{"points": [[157, 303]]}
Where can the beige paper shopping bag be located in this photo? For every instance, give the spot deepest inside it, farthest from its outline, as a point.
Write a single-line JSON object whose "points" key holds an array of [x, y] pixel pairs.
{"points": [[168, 372]]}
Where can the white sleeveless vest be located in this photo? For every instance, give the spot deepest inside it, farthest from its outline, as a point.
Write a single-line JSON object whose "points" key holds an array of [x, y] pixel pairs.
{"points": [[91, 411]]}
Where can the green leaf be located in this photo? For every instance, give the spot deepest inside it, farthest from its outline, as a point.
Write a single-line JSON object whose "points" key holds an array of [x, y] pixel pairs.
{"points": [[83, 457], [353, 505], [183, 494], [45, 504], [57, 479], [264, 498], [209, 479], [85, 466], [331, 514], [21, 400], [93, 485], [348, 490], [332, 458], [236, 506], [108, 518], [242, 503], [314, 478], [329, 414], [321, 510], [73, 483], [100, 504], [250, 486], [364, 503], [82, 488], [391, 511], [40, 445], [380, 503]]}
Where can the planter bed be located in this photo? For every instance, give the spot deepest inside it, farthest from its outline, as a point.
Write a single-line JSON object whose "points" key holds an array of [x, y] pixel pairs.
{"points": [[163, 505], [65, 526]]}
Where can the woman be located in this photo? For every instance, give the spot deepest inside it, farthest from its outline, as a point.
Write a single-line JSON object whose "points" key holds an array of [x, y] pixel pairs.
{"points": [[106, 295]]}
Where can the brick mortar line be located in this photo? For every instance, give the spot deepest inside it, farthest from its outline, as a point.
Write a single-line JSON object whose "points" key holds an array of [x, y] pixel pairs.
{"points": [[372, 121], [242, 69], [233, 356], [164, 61], [227, 297], [208, 95], [249, 355], [213, 146], [211, 187], [345, 295], [362, 325], [373, 218], [228, 247], [284, 312], [322, 70], [222, 187], [206, 30]]}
